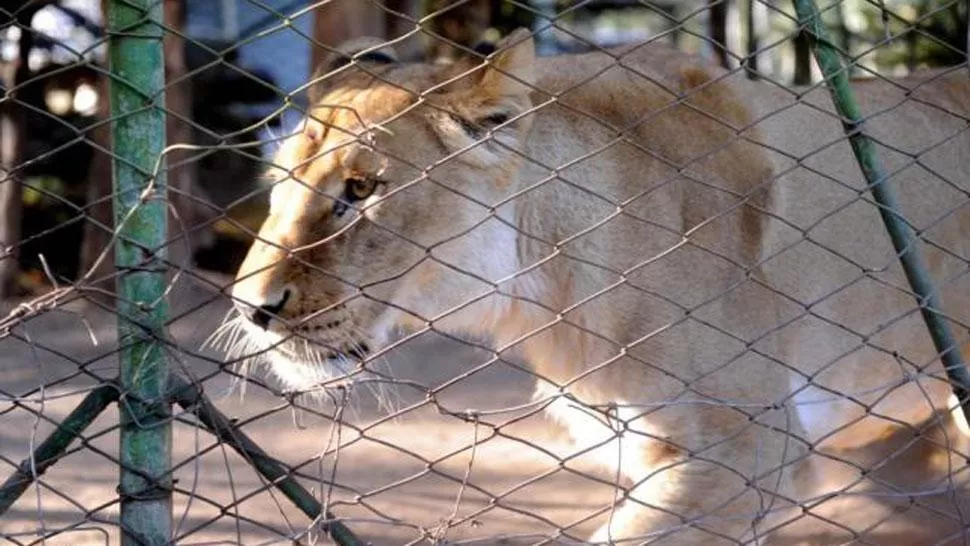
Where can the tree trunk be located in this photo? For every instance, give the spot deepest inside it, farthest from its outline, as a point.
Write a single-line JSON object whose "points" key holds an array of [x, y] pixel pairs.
{"points": [[11, 200], [97, 228], [187, 215], [672, 25], [753, 43], [340, 20], [803, 59], [12, 135], [717, 21], [464, 24]]}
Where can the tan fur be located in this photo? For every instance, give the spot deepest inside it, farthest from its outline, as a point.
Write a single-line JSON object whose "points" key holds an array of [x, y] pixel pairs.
{"points": [[644, 256]]}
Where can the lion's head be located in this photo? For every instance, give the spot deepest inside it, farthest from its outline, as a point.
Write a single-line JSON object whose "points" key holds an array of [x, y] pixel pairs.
{"points": [[385, 207]]}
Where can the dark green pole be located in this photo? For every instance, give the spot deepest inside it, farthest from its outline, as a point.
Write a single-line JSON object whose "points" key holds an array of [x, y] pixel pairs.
{"points": [[138, 138], [904, 240], [54, 446], [190, 397]]}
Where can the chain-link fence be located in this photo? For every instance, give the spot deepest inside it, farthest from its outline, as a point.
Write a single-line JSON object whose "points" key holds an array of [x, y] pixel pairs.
{"points": [[504, 273]]}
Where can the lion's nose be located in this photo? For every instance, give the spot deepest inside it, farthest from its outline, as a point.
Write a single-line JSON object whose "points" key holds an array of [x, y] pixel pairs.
{"points": [[263, 314]]}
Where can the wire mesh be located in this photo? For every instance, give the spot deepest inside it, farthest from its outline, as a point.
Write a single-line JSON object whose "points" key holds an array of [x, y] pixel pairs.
{"points": [[615, 278]]}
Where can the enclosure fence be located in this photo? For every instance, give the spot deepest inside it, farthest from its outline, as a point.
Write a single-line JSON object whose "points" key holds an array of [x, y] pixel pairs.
{"points": [[763, 305]]}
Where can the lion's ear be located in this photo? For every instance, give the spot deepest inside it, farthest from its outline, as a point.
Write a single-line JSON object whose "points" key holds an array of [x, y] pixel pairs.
{"points": [[363, 50], [486, 115], [509, 70]]}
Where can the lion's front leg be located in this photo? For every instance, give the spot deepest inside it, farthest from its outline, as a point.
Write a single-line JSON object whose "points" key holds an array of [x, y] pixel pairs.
{"points": [[695, 473]]}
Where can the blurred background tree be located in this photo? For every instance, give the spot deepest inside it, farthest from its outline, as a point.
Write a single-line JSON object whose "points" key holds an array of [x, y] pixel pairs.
{"points": [[932, 32]]}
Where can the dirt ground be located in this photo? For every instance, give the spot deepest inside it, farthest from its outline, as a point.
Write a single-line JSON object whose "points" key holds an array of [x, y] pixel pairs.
{"points": [[423, 476]]}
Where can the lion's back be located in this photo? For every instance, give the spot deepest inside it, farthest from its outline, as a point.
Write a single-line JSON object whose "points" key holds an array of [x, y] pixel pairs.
{"points": [[861, 333]]}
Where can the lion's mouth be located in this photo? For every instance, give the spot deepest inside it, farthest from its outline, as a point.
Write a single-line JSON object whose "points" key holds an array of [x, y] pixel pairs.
{"points": [[314, 345], [238, 335], [358, 350], [305, 363]]}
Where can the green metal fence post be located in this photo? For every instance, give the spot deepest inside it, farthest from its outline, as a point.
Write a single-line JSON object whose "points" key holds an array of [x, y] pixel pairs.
{"points": [[904, 239], [138, 137]]}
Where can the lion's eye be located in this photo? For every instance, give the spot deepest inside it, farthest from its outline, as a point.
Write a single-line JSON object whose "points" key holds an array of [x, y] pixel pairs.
{"points": [[356, 189], [359, 189]]}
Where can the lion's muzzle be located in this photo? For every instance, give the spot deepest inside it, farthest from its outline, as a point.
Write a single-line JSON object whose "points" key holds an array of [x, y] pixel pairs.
{"points": [[262, 314]]}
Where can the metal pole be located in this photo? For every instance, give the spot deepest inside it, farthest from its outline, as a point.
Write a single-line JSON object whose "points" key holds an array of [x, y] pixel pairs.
{"points": [[138, 136], [903, 238]]}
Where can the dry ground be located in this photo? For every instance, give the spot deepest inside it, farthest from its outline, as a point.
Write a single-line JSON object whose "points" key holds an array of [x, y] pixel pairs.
{"points": [[411, 478]]}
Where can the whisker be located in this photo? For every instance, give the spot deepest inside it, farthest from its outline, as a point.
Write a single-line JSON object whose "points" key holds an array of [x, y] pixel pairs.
{"points": [[228, 323], [377, 384], [319, 366]]}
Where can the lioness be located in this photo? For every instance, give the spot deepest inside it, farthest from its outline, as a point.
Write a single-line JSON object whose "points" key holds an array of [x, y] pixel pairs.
{"points": [[703, 289]]}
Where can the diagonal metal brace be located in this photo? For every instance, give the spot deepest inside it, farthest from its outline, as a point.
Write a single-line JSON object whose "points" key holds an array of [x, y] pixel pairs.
{"points": [[905, 240], [54, 446], [190, 397]]}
